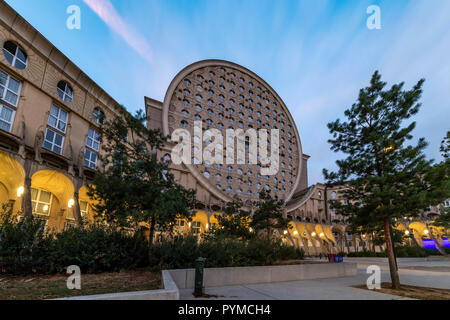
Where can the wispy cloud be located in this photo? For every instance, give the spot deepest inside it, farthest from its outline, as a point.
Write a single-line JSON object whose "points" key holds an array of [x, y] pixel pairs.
{"points": [[106, 11]]}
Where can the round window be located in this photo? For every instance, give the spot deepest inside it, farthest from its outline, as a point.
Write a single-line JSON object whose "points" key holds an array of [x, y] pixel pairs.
{"points": [[15, 55]]}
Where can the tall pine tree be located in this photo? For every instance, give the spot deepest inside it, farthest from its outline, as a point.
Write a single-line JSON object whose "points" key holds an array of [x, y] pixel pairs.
{"points": [[386, 174], [134, 186]]}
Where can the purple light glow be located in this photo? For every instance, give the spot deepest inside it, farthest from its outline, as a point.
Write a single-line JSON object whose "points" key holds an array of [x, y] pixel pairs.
{"points": [[429, 244], [446, 242]]}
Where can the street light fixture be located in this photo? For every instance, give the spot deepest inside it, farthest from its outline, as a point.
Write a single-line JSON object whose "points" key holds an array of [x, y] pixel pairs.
{"points": [[71, 203], [20, 191]]}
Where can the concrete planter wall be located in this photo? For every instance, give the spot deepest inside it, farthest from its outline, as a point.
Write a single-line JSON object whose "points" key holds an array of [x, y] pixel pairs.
{"points": [[216, 277], [213, 277]]}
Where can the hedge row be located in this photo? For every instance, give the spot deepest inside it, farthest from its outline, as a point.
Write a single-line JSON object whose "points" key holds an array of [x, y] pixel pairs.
{"points": [[26, 249], [181, 253], [401, 252]]}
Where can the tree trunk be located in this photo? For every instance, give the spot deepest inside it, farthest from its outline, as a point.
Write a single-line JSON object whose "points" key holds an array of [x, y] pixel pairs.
{"points": [[152, 232], [390, 250], [26, 200], [77, 212]]}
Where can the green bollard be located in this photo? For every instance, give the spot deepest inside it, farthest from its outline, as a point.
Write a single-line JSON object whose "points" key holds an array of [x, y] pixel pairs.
{"points": [[198, 285]]}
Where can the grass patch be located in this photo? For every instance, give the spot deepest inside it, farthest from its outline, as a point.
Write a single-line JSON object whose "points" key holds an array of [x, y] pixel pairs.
{"points": [[48, 287], [421, 293]]}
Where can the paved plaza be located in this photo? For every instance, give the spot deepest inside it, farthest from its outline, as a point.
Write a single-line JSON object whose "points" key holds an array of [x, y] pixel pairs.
{"points": [[338, 288]]}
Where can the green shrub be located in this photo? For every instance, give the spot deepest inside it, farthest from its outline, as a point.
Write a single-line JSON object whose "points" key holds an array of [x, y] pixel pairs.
{"points": [[220, 252], [410, 252], [401, 252], [99, 249], [366, 253], [415, 251], [25, 248]]}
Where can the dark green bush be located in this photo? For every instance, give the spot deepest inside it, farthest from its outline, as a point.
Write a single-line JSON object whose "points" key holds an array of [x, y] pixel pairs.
{"points": [[366, 253], [220, 252], [99, 249], [410, 252], [401, 252], [25, 248]]}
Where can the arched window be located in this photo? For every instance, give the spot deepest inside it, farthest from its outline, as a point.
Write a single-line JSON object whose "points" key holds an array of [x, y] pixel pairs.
{"points": [[98, 116], [65, 91], [15, 55]]}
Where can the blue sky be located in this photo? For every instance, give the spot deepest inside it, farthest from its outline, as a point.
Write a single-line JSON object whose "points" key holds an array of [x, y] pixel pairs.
{"points": [[316, 54]]}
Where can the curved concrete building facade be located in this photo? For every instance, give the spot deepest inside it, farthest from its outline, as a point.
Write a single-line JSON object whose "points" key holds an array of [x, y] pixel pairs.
{"points": [[222, 95]]}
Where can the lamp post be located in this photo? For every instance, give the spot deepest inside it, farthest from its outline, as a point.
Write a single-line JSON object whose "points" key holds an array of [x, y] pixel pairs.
{"points": [[198, 281]]}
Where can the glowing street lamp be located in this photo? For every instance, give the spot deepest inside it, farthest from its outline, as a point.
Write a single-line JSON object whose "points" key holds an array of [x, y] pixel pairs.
{"points": [[71, 203], [313, 234], [295, 232], [285, 232], [425, 231], [20, 191], [407, 232]]}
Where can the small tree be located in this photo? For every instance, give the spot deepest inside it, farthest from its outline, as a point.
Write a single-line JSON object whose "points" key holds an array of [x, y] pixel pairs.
{"points": [[386, 176], [135, 187], [269, 215], [444, 218], [234, 222]]}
